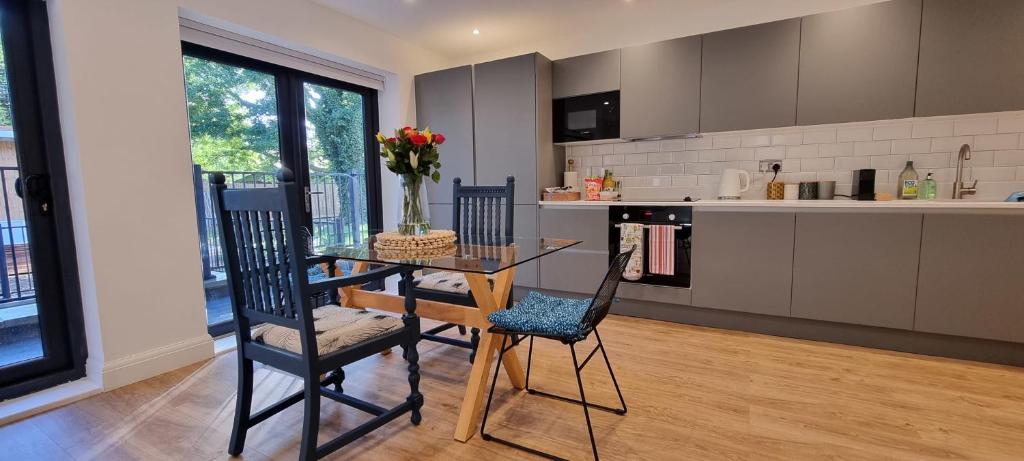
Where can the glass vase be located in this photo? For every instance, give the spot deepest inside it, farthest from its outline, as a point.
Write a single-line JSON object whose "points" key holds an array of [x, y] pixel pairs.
{"points": [[413, 220]]}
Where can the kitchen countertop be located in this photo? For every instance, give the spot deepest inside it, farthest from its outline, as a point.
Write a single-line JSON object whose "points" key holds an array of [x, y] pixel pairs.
{"points": [[755, 205]]}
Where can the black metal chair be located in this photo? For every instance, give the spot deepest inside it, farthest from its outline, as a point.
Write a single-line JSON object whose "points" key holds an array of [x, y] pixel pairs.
{"points": [[480, 214], [266, 265], [568, 321]]}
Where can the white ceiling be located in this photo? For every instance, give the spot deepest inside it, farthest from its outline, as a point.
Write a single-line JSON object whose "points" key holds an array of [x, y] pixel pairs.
{"points": [[560, 28]]}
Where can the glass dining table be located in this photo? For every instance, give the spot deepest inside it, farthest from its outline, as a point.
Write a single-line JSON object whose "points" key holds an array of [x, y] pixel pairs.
{"points": [[479, 258]]}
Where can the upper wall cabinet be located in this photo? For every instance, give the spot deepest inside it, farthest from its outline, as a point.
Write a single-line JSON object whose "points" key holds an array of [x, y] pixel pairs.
{"points": [[587, 74], [749, 77], [660, 94], [971, 57], [859, 64], [444, 102]]}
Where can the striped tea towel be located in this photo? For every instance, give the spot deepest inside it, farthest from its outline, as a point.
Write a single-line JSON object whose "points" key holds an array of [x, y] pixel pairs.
{"points": [[631, 234], [661, 256]]}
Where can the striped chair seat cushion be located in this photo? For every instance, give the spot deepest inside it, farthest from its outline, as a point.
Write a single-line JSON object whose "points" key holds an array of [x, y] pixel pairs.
{"points": [[449, 282], [336, 328], [541, 314]]}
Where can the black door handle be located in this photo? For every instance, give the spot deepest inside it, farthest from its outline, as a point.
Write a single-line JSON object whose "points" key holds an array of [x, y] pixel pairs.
{"points": [[36, 186]]}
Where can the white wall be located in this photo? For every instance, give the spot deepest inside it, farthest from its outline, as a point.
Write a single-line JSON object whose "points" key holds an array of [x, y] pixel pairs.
{"points": [[122, 107]]}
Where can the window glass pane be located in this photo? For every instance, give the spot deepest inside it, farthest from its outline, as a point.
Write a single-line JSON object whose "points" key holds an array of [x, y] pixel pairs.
{"points": [[336, 146], [234, 127], [19, 320]]}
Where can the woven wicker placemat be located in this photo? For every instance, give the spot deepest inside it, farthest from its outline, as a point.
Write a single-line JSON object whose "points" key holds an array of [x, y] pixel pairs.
{"points": [[433, 240]]}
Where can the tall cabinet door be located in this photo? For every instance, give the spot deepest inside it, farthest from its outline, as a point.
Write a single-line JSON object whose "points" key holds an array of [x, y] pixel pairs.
{"points": [[970, 57], [660, 93], [859, 63], [749, 77], [444, 102], [505, 116]]}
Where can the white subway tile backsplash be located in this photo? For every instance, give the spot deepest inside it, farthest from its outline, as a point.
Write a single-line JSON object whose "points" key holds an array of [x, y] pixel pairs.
{"points": [[787, 139], [659, 157], [996, 141], [979, 125], [699, 143], [852, 163], [739, 153], [950, 144], [930, 160], [932, 128], [912, 146], [888, 132], [614, 159], [648, 146], [725, 141], [996, 173], [756, 140], [802, 151], [686, 157], [712, 155], [872, 147], [1009, 158], [673, 168], [636, 159], [1010, 124], [770, 153], [844, 149], [673, 145], [625, 148], [854, 134], [817, 164], [820, 136]]}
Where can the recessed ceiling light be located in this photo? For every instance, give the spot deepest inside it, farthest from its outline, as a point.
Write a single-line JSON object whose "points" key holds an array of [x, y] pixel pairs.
{"points": [[476, 31]]}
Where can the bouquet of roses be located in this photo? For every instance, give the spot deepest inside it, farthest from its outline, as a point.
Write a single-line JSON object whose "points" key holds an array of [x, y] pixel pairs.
{"points": [[412, 152]]}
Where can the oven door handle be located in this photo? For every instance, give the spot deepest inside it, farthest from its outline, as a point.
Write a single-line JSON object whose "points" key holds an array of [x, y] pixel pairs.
{"points": [[648, 226]]}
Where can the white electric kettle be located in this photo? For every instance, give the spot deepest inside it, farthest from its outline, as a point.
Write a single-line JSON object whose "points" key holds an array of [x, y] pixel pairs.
{"points": [[729, 187]]}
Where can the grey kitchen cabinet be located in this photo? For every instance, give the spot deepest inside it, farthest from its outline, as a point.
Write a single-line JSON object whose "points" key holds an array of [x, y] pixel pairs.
{"points": [[573, 271], [440, 215], [749, 77], [654, 293], [859, 63], [970, 282], [444, 102], [858, 268], [742, 261], [586, 74], [512, 121], [660, 89], [970, 57], [590, 226], [525, 225]]}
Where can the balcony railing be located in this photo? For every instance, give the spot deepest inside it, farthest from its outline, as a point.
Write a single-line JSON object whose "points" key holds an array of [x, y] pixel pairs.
{"points": [[17, 281], [337, 203]]}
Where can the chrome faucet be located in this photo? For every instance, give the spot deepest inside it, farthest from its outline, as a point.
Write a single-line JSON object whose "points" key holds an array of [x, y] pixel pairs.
{"points": [[959, 189]]}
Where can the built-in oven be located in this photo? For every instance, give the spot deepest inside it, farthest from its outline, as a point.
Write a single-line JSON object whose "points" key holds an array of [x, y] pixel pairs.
{"points": [[678, 218], [586, 118]]}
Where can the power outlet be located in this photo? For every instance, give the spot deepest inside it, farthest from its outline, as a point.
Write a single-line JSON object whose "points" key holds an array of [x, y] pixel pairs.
{"points": [[765, 166]]}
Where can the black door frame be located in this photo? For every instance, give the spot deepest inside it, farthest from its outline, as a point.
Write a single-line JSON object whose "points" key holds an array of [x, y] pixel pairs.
{"points": [[40, 153], [292, 133]]}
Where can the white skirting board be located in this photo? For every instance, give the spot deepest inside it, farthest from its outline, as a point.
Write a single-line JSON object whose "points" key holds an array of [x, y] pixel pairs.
{"points": [[146, 364]]}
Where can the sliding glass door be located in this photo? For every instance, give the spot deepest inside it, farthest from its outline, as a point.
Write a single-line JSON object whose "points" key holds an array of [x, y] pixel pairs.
{"points": [[41, 333], [247, 119]]}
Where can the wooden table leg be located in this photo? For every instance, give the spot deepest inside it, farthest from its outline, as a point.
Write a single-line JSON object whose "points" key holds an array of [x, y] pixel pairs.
{"points": [[487, 301], [346, 292]]}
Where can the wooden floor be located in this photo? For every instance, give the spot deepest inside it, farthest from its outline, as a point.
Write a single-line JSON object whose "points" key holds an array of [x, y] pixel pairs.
{"points": [[693, 393]]}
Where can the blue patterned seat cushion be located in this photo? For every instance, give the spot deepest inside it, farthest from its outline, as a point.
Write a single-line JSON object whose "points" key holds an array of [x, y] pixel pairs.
{"points": [[538, 313]]}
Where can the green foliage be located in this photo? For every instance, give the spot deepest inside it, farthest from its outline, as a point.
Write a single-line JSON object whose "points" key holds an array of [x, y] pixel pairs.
{"points": [[335, 129], [5, 95]]}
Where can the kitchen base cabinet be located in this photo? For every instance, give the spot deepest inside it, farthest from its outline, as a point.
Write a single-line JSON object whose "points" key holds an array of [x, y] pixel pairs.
{"points": [[742, 261], [856, 268], [588, 226], [525, 225], [971, 280], [573, 271]]}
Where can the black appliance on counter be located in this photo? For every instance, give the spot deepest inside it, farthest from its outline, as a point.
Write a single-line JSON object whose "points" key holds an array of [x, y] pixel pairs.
{"points": [[586, 118], [679, 216], [863, 185]]}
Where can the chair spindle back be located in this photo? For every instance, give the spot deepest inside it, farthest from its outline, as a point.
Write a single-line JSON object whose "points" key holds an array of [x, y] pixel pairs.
{"points": [[483, 211]]}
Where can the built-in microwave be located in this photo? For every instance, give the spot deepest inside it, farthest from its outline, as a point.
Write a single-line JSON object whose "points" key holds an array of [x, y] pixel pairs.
{"points": [[586, 118]]}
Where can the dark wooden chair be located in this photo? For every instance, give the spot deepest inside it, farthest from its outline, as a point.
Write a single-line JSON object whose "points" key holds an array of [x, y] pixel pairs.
{"points": [[482, 215], [266, 264], [565, 320]]}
